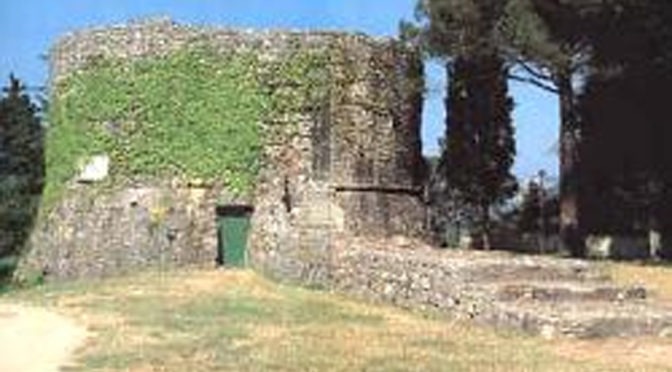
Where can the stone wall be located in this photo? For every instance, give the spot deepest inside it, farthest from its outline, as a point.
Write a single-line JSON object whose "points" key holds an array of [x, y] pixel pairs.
{"points": [[349, 161], [540, 295], [354, 166], [96, 232], [411, 274]]}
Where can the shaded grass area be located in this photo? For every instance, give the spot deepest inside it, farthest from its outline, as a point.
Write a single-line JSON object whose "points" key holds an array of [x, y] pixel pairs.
{"points": [[237, 321]]}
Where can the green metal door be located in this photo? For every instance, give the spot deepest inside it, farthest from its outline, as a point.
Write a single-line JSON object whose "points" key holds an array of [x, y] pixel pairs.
{"points": [[233, 225]]}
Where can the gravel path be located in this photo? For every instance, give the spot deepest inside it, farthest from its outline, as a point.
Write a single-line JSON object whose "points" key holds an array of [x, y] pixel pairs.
{"points": [[34, 339]]}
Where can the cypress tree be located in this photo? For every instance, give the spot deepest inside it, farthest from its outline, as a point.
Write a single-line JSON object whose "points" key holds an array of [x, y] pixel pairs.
{"points": [[480, 147]]}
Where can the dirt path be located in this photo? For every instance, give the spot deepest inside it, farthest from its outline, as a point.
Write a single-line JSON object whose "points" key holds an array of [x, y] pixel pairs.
{"points": [[34, 339]]}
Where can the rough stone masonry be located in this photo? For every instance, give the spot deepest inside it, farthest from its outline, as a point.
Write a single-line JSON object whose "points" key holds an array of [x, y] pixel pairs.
{"points": [[350, 163], [338, 201]]}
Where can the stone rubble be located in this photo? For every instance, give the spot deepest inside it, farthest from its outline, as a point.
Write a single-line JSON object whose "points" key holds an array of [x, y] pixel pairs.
{"points": [[545, 296]]}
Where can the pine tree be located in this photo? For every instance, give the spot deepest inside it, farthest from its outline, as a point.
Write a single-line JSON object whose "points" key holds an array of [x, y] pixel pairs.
{"points": [[557, 43], [625, 121], [547, 39]]}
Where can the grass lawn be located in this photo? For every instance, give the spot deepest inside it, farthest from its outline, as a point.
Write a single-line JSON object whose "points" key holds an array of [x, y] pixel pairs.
{"points": [[237, 321]]}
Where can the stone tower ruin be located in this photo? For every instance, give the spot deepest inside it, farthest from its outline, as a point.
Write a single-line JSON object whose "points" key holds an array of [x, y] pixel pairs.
{"points": [[345, 161]]}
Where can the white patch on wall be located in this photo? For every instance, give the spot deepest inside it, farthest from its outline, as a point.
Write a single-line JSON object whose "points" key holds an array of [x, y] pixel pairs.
{"points": [[95, 169]]}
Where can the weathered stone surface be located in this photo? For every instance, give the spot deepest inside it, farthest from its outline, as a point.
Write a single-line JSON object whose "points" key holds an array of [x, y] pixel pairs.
{"points": [[540, 295], [349, 162], [95, 233], [566, 291], [583, 319]]}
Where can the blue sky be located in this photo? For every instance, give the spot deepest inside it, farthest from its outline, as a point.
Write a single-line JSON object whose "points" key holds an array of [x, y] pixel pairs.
{"points": [[29, 27]]}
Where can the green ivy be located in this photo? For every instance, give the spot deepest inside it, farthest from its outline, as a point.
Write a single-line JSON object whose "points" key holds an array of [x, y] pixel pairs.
{"points": [[192, 114]]}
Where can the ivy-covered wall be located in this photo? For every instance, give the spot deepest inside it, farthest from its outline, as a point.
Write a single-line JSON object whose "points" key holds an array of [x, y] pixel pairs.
{"points": [[320, 130], [191, 114]]}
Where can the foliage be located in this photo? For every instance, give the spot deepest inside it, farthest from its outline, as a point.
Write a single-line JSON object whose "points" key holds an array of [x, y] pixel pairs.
{"points": [[298, 83], [530, 209], [21, 171], [20, 133], [613, 134], [527, 35], [552, 34], [191, 114], [538, 210], [461, 27], [479, 149], [627, 169], [546, 41]]}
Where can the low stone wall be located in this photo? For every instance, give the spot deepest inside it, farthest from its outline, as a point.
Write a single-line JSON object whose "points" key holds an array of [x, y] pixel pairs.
{"points": [[96, 233], [411, 274], [403, 273], [539, 295]]}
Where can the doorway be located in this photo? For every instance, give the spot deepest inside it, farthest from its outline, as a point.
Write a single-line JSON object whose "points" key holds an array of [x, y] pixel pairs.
{"points": [[233, 225]]}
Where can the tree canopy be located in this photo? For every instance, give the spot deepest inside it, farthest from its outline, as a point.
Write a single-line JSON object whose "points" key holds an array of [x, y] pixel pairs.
{"points": [[479, 147], [610, 62], [21, 171]]}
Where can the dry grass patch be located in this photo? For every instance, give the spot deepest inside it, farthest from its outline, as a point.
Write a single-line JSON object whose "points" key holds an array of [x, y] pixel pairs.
{"points": [[636, 354], [654, 277], [235, 320]]}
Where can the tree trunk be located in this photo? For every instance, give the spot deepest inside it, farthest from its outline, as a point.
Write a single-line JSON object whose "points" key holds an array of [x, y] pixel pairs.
{"points": [[664, 219], [485, 227], [570, 232], [655, 241]]}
